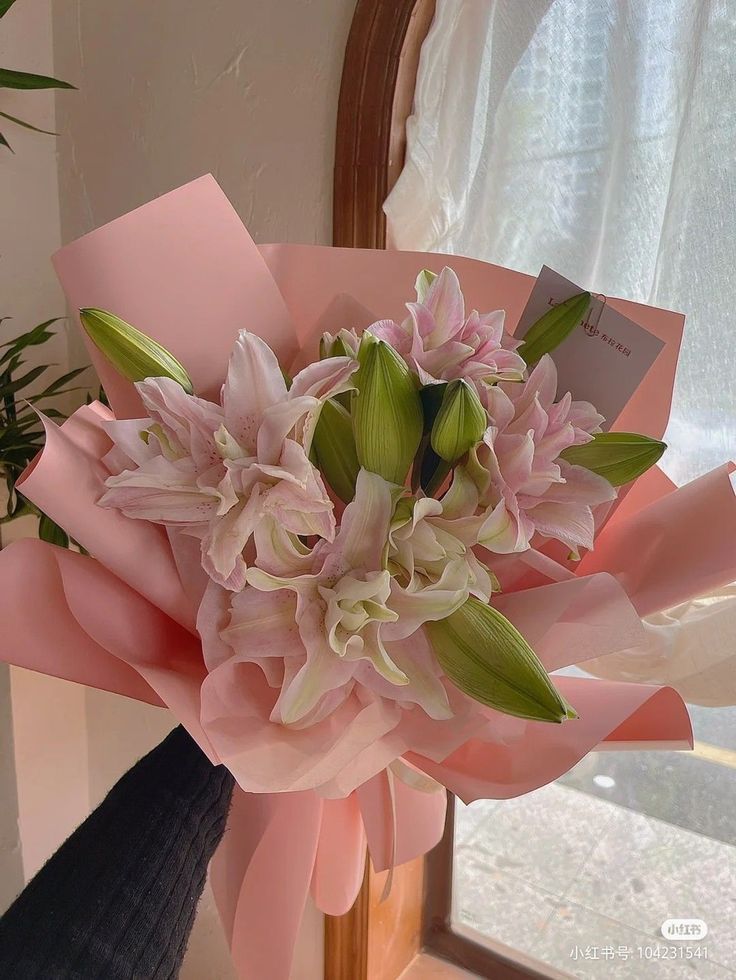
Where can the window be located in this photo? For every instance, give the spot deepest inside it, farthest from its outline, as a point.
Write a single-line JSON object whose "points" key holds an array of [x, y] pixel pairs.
{"points": [[597, 137]]}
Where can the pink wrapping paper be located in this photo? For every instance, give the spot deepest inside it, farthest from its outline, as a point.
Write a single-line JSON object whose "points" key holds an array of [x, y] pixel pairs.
{"points": [[173, 267], [181, 268], [658, 551]]}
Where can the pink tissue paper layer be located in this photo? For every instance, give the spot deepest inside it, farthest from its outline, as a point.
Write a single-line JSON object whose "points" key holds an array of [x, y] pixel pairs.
{"points": [[124, 618]]}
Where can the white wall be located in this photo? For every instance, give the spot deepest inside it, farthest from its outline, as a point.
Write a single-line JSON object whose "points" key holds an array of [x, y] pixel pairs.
{"points": [[168, 90], [245, 89], [43, 775]]}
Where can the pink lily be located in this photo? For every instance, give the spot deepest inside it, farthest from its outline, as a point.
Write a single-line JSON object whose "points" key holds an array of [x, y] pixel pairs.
{"points": [[440, 343], [339, 628], [516, 477], [218, 472]]}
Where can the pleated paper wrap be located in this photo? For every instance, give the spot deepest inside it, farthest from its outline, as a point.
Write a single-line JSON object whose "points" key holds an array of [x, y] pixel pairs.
{"points": [[184, 270]]}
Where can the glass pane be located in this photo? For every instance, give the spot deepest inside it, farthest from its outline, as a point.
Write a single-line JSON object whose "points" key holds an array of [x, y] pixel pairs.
{"points": [[581, 875]]}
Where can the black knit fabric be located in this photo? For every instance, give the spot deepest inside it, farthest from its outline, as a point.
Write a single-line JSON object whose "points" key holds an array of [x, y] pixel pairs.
{"points": [[117, 900]]}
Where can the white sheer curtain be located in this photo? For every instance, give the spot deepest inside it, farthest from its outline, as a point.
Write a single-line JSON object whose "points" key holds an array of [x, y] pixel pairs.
{"points": [[598, 137]]}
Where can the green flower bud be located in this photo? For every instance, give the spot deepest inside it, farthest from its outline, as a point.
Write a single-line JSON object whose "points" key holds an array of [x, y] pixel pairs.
{"points": [[484, 655], [619, 457], [387, 411], [333, 446], [132, 353], [424, 281], [551, 329], [343, 344], [460, 423]]}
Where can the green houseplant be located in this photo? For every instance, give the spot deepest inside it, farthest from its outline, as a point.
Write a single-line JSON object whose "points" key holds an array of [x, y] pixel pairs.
{"points": [[21, 428], [22, 387], [12, 79]]}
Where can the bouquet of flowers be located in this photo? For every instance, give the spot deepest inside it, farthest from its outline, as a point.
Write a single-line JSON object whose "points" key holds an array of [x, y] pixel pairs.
{"points": [[353, 555]]}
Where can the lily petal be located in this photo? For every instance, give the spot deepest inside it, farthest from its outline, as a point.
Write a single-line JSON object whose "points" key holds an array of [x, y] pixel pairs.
{"points": [[254, 383], [364, 528], [223, 546]]}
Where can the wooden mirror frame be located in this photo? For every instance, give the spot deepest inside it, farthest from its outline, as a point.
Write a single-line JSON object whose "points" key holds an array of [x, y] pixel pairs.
{"points": [[376, 95], [379, 940]]}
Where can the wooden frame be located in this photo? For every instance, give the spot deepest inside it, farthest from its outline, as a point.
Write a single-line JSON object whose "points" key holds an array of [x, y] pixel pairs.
{"points": [[376, 94], [378, 940]]}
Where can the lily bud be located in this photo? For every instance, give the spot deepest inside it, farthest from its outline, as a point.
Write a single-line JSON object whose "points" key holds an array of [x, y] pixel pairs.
{"points": [[387, 411], [333, 445], [551, 329], [618, 457], [132, 353], [460, 422], [343, 344], [424, 281], [484, 655]]}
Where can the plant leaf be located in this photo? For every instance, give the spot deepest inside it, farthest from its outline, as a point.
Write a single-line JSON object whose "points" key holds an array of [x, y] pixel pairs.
{"points": [[26, 125], [57, 387], [5, 6], [551, 329], [9, 78], [4, 142], [11, 387], [49, 531], [32, 338], [619, 457]]}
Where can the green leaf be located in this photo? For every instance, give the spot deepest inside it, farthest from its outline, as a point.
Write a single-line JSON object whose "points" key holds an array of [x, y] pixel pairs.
{"points": [[21, 424], [428, 468], [4, 142], [57, 387], [387, 411], [619, 457], [26, 125], [432, 397], [551, 329], [460, 422], [11, 387], [5, 6], [334, 448], [132, 353], [434, 472], [16, 507], [484, 655], [9, 78], [52, 533], [32, 338], [99, 397]]}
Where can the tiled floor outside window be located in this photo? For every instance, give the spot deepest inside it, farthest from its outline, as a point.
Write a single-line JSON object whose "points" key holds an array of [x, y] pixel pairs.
{"points": [[584, 884]]}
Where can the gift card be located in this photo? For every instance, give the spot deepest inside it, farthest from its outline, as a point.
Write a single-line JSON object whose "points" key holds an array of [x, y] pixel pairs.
{"points": [[606, 356]]}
